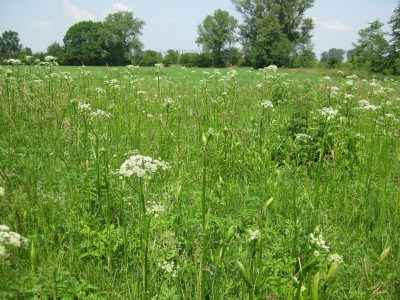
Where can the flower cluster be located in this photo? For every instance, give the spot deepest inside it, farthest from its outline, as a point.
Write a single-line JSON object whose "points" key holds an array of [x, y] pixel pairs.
{"points": [[303, 137], [365, 105], [84, 107], [100, 114], [267, 104], [317, 239], [10, 238], [254, 234], [169, 267], [155, 209], [272, 68], [168, 102], [329, 112], [141, 166]]}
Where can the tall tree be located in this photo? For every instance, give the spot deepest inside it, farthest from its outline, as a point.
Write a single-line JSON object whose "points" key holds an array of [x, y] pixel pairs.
{"points": [[10, 44], [372, 49], [171, 57], [395, 35], [333, 57], [150, 58], [217, 34], [120, 35], [82, 44], [275, 31], [56, 50]]}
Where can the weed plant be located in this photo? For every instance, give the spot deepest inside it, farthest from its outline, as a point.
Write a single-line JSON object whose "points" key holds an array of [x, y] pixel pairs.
{"points": [[279, 185]]}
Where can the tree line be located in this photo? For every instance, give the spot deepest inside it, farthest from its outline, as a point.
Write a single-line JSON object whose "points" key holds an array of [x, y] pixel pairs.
{"points": [[272, 32]]}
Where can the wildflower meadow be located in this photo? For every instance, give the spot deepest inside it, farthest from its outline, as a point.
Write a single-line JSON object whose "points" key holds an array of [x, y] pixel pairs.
{"points": [[188, 183]]}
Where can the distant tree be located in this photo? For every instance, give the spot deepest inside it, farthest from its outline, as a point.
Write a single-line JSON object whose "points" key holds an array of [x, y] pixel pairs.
{"points": [[333, 57], [82, 44], [394, 53], [150, 58], [274, 30], [188, 59], [10, 46], [350, 54], [205, 60], [120, 35], [304, 57], [372, 49], [171, 57], [56, 50], [217, 34], [235, 57]]}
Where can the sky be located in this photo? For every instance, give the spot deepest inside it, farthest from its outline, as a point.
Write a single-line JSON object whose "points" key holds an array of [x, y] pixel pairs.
{"points": [[172, 24]]}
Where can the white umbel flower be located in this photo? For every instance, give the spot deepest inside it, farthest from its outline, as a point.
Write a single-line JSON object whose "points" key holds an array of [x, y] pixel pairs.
{"points": [[141, 166]]}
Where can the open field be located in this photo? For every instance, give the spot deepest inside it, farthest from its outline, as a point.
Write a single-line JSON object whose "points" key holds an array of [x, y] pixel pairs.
{"points": [[170, 183]]}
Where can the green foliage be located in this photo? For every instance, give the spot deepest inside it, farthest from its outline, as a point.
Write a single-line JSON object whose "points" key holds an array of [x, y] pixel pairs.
{"points": [[188, 59], [372, 49], [56, 50], [394, 55], [216, 35], [120, 35], [150, 58], [266, 170], [274, 32], [82, 44], [205, 60], [333, 57], [171, 57], [10, 46]]}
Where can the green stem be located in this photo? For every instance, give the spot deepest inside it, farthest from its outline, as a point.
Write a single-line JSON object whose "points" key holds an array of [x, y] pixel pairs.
{"points": [[145, 242], [203, 215]]}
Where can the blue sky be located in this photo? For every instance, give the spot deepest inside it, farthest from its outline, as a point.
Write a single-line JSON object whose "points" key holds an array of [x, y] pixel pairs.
{"points": [[172, 24]]}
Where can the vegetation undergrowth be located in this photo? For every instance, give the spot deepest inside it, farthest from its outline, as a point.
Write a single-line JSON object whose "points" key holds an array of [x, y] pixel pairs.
{"points": [[129, 183]]}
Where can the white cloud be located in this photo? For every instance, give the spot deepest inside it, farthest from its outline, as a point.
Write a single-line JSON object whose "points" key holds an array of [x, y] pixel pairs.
{"points": [[315, 21], [336, 26], [121, 7], [168, 21], [42, 24], [75, 13]]}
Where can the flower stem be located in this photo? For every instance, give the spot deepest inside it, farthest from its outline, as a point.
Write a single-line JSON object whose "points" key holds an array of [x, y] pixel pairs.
{"points": [[145, 241]]}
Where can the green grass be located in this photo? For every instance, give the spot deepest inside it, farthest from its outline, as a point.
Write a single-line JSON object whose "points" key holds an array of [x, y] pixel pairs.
{"points": [[232, 216]]}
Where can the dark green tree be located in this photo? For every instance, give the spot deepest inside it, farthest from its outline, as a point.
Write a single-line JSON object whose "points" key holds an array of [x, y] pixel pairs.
{"points": [[150, 58], [171, 57], [217, 34], [350, 54], [235, 57], [82, 44], [56, 50], [394, 53], [120, 35], [205, 60], [333, 57], [10, 46], [188, 59], [372, 49], [275, 31]]}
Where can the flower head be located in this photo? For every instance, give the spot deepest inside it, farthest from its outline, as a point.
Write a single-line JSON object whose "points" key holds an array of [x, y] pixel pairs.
{"points": [[141, 166], [10, 238], [335, 257], [272, 68], [254, 234], [267, 104], [329, 112]]}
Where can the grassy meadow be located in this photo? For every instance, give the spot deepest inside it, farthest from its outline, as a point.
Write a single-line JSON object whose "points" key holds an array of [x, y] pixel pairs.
{"points": [[174, 183]]}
